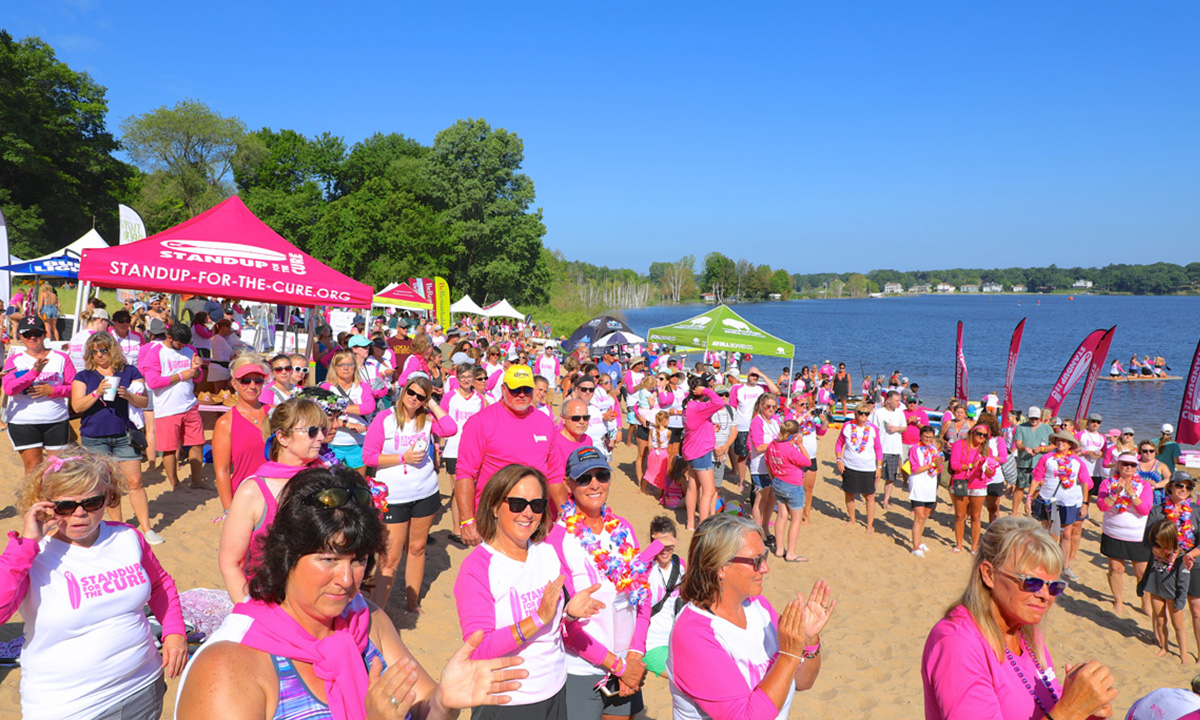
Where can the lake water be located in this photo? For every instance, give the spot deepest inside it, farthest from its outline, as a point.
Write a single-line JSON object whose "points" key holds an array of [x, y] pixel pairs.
{"points": [[915, 335]]}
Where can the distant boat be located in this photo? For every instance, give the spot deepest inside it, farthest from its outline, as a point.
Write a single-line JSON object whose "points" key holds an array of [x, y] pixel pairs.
{"points": [[1139, 378]]}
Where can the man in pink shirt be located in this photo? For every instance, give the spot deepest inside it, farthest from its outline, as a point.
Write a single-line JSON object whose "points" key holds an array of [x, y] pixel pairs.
{"points": [[507, 432]]}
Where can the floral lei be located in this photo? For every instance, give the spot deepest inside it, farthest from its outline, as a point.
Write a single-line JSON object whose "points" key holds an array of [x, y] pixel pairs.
{"points": [[859, 447], [621, 566], [807, 426], [1120, 501], [1063, 470], [1181, 514]]}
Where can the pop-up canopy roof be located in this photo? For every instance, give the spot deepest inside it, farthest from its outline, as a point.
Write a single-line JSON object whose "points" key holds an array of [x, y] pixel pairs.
{"points": [[402, 295], [502, 309], [466, 305], [722, 329], [228, 252]]}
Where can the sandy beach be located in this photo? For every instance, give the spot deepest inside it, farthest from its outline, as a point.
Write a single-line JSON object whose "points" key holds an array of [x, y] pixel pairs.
{"points": [[887, 598]]}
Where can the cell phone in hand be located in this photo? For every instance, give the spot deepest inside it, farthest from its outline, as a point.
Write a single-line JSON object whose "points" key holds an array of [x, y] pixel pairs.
{"points": [[612, 688]]}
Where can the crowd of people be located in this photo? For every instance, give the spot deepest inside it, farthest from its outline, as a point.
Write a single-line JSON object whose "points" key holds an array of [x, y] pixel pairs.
{"points": [[327, 470]]}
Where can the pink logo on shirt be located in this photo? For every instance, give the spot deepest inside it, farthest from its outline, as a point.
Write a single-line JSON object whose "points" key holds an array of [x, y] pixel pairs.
{"points": [[522, 604], [106, 583]]}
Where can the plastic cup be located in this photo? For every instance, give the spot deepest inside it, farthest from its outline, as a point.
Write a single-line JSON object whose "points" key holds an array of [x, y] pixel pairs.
{"points": [[110, 390]]}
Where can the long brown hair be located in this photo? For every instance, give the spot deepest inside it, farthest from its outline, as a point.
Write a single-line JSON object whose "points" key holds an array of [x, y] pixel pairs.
{"points": [[422, 411]]}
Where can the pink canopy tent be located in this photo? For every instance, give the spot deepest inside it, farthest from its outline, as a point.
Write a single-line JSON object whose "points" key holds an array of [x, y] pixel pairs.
{"points": [[404, 296], [228, 252]]}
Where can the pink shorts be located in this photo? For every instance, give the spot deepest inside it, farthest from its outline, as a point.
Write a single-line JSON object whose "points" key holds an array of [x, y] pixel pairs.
{"points": [[177, 431]]}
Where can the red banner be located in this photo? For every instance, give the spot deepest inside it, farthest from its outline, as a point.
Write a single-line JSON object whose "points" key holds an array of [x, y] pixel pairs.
{"points": [[1076, 368], [1187, 432], [1014, 348], [960, 368], [1089, 385]]}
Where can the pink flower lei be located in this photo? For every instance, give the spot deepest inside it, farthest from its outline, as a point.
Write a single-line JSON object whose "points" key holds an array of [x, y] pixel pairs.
{"points": [[621, 566]]}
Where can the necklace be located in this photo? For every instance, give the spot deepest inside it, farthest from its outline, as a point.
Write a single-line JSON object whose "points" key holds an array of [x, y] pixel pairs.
{"points": [[1181, 514], [620, 565], [1063, 470], [1041, 676], [859, 444]]}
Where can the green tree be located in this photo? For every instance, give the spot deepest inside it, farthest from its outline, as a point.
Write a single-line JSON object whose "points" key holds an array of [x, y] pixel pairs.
{"points": [[781, 283], [57, 172], [495, 240], [678, 280], [189, 152], [719, 276]]}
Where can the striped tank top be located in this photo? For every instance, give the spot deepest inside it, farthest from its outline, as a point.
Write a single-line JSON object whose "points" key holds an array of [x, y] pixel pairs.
{"points": [[296, 702]]}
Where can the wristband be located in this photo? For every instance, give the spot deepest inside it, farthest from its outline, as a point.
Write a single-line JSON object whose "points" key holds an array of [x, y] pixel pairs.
{"points": [[521, 634], [468, 521], [618, 667], [811, 651], [538, 622]]}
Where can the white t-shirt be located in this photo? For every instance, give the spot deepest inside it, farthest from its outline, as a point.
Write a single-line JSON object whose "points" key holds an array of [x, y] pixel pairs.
{"points": [[27, 410], [176, 398], [405, 483], [662, 621], [743, 397], [678, 396], [1092, 442], [881, 418], [76, 346], [88, 642], [130, 344], [922, 487]]}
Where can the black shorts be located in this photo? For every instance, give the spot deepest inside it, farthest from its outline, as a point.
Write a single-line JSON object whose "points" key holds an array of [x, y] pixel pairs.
{"points": [[859, 482], [1130, 550], [403, 512], [451, 465], [741, 444], [641, 433], [931, 504], [676, 436], [51, 436], [996, 489]]}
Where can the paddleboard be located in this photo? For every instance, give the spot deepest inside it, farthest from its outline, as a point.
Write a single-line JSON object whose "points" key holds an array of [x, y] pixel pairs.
{"points": [[1139, 378]]}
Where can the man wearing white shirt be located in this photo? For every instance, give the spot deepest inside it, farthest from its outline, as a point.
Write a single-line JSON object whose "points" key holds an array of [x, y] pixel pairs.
{"points": [[890, 421]]}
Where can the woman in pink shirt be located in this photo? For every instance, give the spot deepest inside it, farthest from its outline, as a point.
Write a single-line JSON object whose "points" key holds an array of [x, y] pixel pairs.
{"points": [[699, 441], [731, 656], [788, 462], [987, 660], [973, 465]]}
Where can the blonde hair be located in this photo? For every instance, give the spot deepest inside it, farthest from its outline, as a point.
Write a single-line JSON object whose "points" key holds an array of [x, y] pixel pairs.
{"points": [[422, 411], [649, 382], [1019, 543], [661, 419], [333, 363], [717, 541], [292, 413], [788, 428], [115, 355], [249, 358], [72, 470]]}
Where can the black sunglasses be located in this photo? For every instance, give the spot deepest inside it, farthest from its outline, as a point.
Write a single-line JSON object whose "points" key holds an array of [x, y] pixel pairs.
{"points": [[577, 418], [588, 388], [1034, 584], [282, 368], [586, 479], [252, 381], [31, 334], [68, 507], [758, 562], [312, 431], [336, 497], [415, 394], [860, 412], [521, 391], [518, 504]]}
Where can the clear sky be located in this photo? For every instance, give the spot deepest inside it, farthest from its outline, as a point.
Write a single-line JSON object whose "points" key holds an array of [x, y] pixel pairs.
{"points": [[811, 136]]}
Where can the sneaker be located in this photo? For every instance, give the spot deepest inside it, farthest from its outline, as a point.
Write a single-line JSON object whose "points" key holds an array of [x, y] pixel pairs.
{"points": [[919, 552], [153, 538], [923, 547], [1069, 574], [770, 543]]}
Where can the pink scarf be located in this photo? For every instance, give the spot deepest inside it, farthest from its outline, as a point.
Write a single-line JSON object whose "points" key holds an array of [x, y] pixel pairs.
{"points": [[337, 659], [277, 470]]}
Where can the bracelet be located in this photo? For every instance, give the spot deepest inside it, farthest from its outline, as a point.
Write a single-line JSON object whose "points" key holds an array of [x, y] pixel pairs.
{"points": [[792, 656], [538, 622], [519, 633], [468, 521], [618, 667], [811, 651]]}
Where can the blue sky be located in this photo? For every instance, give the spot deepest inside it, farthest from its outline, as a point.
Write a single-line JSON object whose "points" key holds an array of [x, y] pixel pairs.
{"points": [[810, 136]]}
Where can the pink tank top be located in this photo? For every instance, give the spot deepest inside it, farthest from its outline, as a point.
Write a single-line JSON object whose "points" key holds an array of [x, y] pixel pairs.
{"points": [[246, 453], [260, 530]]}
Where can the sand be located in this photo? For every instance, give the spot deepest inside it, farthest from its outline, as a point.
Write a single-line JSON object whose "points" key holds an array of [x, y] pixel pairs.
{"points": [[871, 651]]}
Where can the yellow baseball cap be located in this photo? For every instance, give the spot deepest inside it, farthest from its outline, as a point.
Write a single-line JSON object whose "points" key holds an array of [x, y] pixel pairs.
{"points": [[518, 376]]}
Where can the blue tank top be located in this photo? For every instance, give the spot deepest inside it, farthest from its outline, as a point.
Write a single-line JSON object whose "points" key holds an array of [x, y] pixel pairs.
{"points": [[296, 702]]}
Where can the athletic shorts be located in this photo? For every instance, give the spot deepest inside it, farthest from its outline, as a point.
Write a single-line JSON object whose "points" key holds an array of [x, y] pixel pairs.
{"points": [[174, 432], [114, 446], [889, 471], [995, 489], [704, 462], [451, 464], [642, 433], [348, 455], [403, 512], [914, 504], [552, 708], [587, 701], [51, 436], [676, 436], [1068, 515], [741, 444]]}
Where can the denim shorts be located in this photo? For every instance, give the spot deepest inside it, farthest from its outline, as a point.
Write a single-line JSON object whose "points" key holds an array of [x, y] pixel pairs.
{"points": [[704, 462], [761, 480], [788, 494], [114, 446]]}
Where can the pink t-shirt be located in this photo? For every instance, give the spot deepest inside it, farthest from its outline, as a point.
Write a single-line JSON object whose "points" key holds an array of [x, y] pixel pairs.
{"points": [[496, 437], [964, 680], [786, 462], [699, 437]]}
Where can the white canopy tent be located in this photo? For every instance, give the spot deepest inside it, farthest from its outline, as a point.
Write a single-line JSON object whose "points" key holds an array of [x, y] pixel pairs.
{"points": [[466, 305], [90, 240], [503, 309]]}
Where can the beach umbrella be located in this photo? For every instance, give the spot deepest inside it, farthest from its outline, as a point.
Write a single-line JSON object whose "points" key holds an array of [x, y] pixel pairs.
{"points": [[594, 329], [619, 337]]}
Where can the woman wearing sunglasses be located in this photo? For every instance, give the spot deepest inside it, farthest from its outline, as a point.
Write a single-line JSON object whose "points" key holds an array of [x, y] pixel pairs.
{"points": [[600, 549], [973, 465], [239, 436], [80, 585], [102, 393], [699, 442], [511, 588], [1126, 500], [1060, 481], [812, 426], [400, 445], [38, 385], [987, 657], [731, 654], [348, 439], [307, 644], [297, 429], [279, 387], [1152, 470]]}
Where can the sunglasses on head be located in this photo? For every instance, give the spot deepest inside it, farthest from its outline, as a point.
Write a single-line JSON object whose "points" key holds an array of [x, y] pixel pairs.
{"points": [[336, 497], [586, 479], [521, 391], [68, 507], [758, 563], [312, 431], [518, 504], [1032, 584], [413, 393]]}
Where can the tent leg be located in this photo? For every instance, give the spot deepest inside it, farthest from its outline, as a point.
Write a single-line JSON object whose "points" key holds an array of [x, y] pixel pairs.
{"points": [[81, 291]]}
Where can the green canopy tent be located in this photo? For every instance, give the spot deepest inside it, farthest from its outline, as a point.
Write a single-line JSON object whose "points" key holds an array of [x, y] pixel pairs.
{"points": [[722, 329]]}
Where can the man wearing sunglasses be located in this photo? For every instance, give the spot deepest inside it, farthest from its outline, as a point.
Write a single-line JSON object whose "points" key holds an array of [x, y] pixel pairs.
{"points": [[507, 432], [172, 370], [1031, 439], [575, 420]]}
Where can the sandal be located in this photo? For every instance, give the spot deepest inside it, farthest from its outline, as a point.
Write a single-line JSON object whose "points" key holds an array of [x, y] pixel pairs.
{"points": [[795, 559]]}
